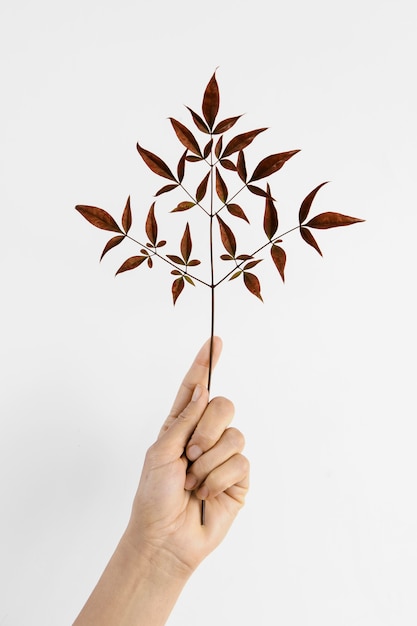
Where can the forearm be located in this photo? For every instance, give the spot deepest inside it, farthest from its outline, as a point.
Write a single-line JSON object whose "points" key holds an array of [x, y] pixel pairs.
{"points": [[135, 589]]}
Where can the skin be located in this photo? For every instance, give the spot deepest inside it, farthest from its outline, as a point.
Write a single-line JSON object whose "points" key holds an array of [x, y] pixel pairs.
{"points": [[197, 456]]}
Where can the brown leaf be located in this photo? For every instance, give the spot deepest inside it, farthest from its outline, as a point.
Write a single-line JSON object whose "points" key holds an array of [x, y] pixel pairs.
{"points": [[251, 264], [235, 275], [270, 217], [193, 159], [244, 257], [127, 217], [186, 137], [181, 167], [202, 188], [193, 262], [165, 189], [211, 101], [221, 187], [226, 257], [189, 280], [161, 243], [98, 217], [308, 238], [252, 283], [241, 141], [271, 164], [241, 166], [259, 192], [237, 211], [186, 243], [279, 258], [157, 165], [175, 259], [177, 287], [131, 263], [226, 124], [331, 220], [207, 149], [218, 148], [227, 237], [199, 122], [150, 263], [114, 241], [151, 226], [183, 206], [228, 164], [307, 202]]}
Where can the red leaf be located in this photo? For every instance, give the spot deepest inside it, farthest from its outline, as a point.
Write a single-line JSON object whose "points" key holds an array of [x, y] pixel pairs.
{"points": [[181, 167], [244, 257], [241, 141], [228, 164], [198, 121], [307, 202], [157, 165], [259, 192], [218, 148], [221, 187], [227, 237], [177, 287], [165, 189], [279, 258], [211, 100], [308, 237], [131, 263], [202, 188], [98, 217], [114, 241], [151, 226], [241, 166], [226, 124], [186, 243], [127, 217], [237, 211], [207, 149], [193, 159], [183, 206], [186, 137], [252, 283], [331, 220], [270, 217], [271, 164], [251, 264]]}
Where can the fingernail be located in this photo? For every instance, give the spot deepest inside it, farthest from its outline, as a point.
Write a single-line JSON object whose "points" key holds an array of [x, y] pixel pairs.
{"points": [[190, 482], [203, 493], [197, 393], [194, 452]]}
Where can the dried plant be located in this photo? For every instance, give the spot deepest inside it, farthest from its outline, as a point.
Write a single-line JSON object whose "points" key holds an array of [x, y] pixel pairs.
{"points": [[222, 160]]}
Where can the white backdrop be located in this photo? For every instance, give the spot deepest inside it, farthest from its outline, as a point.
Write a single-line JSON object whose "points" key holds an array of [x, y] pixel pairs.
{"points": [[322, 374]]}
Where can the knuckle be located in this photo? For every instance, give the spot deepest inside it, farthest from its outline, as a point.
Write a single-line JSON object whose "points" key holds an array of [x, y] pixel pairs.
{"points": [[223, 405], [236, 438]]}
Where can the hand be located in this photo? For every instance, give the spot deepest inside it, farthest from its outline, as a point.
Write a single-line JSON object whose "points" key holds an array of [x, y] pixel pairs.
{"points": [[196, 456]]}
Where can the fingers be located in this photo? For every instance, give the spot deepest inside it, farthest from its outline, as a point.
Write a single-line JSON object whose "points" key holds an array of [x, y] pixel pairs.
{"points": [[216, 418]]}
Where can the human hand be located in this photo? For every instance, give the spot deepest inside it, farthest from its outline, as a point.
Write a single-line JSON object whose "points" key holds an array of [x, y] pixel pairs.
{"points": [[196, 457]]}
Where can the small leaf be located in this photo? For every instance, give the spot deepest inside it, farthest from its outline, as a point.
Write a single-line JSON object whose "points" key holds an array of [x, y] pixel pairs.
{"points": [[270, 217], [308, 238], [161, 243], [226, 257], [151, 226], [175, 259], [183, 206], [241, 166], [145, 251], [279, 258], [131, 263], [332, 220], [221, 187], [199, 122], [259, 192], [207, 149], [241, 141], [237, 211], [177, 287], [181, 167], [307, 202], [228, 165], [272, 164], [189, 280], [235, 275], [218, 148], [211, 100], [98, 217], [186, 243], [227, 237], [226, 124], [157, 165], [165, 189], [193, 159], [244, 257], [176, 273], [251, 264], [150, 263], [252, 283], [127, 217], [202, 188], [193, 263], [114, 241], [186, 137]]}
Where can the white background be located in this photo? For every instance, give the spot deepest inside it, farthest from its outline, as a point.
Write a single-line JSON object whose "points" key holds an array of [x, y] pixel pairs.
{"points": [[322, 374]]}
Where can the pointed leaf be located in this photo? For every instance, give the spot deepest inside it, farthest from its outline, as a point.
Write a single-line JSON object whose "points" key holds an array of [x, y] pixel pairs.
{"points": [[186, 137], [244, 257], [131, 263], [271, 164], [193, 263], [193, 159], [114, 241], [98, 217], [251, 264], [176, 273], [227, 237], [259, 192], [241, 166], [228, 164], [177, 287], [279, 258], [241, 141], [127, 217], [189, 280], [270, 217], [181, 166], [221, 187], [211, 100], [183, 206], [332, 220], [237, 211], [199, 122], [165, 189], [252, 283], [306, 203], [157, 165], [235, 275], [308, 238], [151, 226], [226, 257], [161, 243], [150, 263], [218, 148], [202, 188], [226, 124], [186, 243], [207, 149], [175, 259]]}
